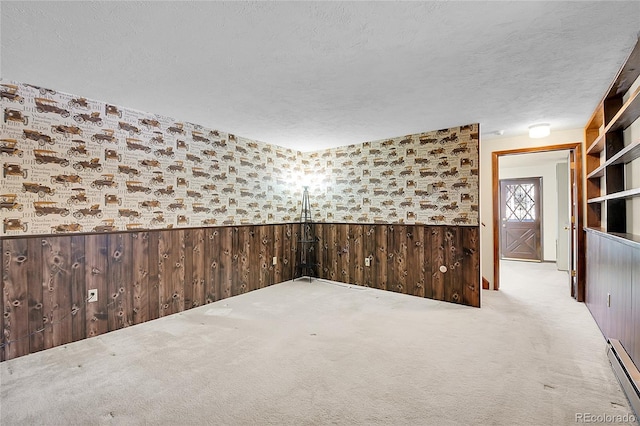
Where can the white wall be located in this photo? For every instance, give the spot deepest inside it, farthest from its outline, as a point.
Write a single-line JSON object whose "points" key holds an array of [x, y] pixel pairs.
{"points": [[549, 200], [487, 146]]}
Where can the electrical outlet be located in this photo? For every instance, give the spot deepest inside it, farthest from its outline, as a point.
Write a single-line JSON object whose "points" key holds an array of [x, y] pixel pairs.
{"points": [[275, 260], [367, 261], [92, 295]]}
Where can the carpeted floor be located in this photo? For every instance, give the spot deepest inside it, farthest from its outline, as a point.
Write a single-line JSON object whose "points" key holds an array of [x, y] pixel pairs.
{"points": [[317, 353]]}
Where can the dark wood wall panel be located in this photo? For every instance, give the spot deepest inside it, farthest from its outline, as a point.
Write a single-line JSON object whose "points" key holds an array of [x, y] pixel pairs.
{"points": [[212, 269], [438, 258], [140, 269], [78, 315], [342, 260], [356, 267], [48, 293], [290, 245], [35, 287], [57, 275], [225, 262], [194, 264], [120, 281], [267, 250], [16, 297], [239, 243], [620, 310], [396, 253], [171, 272], [452, 260], [154, 271], [368, 248], [404, 258], [380, 259], [141, 276], [277, 233], [471, 266], [613, 289], [595, 294], [427, 265], [96, 260]]}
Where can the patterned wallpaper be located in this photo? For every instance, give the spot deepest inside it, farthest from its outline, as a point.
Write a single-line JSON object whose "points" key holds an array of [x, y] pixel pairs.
{"points": [[429, 178], [72, 164]]}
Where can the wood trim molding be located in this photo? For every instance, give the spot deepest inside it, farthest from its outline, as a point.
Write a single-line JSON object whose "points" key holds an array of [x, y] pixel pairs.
{"points": [[495, 190], [576, 147], [485, 283]]}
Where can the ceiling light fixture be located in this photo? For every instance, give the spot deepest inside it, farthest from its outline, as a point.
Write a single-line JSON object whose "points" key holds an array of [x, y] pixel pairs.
{"points": [[541, 130]]}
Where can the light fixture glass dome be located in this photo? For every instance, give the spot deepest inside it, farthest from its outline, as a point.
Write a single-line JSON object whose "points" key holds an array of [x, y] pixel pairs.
{"points": [[539, 130]]}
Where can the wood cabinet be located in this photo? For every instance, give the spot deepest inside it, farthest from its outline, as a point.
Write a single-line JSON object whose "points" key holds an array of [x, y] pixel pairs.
{"points": [[613, 288], [610, 154]]}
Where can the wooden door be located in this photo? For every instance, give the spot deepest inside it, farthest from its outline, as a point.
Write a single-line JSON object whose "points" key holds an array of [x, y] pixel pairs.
{"points": [[575, 212], [520, 218]]}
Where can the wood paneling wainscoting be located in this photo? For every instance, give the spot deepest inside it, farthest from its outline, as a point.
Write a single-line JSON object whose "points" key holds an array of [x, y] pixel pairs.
{"points": [[613, 288], [404, 258], [145, 275], [140, 276]]}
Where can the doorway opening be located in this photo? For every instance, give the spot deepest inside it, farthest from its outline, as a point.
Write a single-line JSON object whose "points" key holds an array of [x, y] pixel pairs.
{"points": [[573, 227]]}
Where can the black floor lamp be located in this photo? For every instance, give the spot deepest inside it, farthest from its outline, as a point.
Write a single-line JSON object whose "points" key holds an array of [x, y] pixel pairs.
{"points": [[307, 241]]}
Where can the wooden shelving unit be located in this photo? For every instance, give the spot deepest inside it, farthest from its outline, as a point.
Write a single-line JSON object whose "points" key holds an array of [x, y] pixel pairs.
{"points": [[609, 155], [612, 258], [626, 155]]}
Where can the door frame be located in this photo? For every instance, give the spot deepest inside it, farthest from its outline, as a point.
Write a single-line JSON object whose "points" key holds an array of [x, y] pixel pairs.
{"points": [[563, 189], [576, 176], [540, 250]]}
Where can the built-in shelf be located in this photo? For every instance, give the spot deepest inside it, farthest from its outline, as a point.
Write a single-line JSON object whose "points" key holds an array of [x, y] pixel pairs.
{"points": [[597, 146], [610, 152], [627, 114], [627, 75], [624, 194], [613, 243], [597, 173], [635, 192], [597, 199], [626, 155]]}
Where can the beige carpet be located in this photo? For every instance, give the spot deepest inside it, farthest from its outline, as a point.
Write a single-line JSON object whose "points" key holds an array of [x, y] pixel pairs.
{"points": [[323, 353]]}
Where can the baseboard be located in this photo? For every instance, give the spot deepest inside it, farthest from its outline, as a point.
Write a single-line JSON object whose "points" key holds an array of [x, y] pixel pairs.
{"points": [[513, 259], [626, 372], [485, 283]]}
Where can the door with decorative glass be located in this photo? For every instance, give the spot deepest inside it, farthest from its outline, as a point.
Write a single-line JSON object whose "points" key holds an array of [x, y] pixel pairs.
{"points": [[520, 217]]}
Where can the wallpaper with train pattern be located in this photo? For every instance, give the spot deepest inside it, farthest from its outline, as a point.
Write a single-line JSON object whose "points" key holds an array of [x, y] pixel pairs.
{"points": [[72, 164]]}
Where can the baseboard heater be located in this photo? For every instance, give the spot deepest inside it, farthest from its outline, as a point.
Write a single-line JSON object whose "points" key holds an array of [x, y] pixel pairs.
{"points": [[626, 372]]}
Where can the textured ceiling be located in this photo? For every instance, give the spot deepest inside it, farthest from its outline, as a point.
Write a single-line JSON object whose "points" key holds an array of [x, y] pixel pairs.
{"points": [[312, 75]]}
